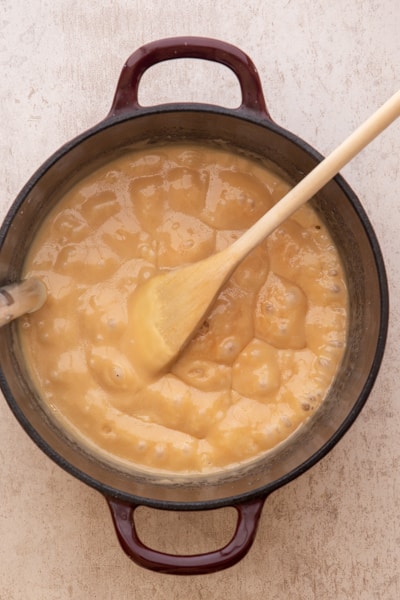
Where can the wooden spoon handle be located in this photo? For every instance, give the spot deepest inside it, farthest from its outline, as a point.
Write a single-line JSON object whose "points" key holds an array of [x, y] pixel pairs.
{"points": [[318, 177], [17, 299]]}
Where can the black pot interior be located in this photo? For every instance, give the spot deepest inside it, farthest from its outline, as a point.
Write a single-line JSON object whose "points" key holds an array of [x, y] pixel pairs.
{"points": [[350, 229]]}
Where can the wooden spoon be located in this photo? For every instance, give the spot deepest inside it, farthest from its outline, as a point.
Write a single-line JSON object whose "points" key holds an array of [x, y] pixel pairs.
{"points": [[17, 299], [169, 308]]}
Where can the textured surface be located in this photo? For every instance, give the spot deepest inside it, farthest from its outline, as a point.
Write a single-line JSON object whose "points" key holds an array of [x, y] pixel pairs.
{"points": [[332, 534]]}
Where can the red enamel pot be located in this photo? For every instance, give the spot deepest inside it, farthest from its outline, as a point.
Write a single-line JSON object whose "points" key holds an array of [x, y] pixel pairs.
{"points": [[248, 129]]}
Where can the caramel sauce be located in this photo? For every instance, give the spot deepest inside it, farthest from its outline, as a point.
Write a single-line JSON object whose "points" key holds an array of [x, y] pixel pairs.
{"points": [[261, 363]]}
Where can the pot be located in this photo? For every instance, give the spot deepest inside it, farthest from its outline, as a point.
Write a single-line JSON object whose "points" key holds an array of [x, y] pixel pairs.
{"points": [[248, 129]]}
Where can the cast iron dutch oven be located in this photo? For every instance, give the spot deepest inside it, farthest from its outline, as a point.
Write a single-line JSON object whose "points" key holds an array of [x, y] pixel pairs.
{"points": [[248, 129]]}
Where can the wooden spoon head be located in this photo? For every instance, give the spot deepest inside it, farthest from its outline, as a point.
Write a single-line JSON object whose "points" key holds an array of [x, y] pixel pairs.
{"points": [[168, 309]]}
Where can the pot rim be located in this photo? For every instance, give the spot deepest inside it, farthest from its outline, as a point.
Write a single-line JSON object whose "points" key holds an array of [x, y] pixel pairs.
{"points": [[263, 491]]}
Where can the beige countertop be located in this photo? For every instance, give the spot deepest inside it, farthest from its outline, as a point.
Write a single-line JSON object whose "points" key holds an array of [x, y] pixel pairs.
{"points": [[333, 533]]}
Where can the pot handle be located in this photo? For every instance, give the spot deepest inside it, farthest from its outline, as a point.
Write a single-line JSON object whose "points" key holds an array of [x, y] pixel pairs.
{"points": [[126, 95], [249, 513]]}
